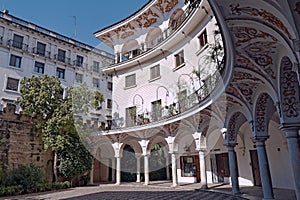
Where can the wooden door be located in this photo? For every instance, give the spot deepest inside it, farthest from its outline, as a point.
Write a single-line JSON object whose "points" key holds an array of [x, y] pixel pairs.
{"points": [[255, 167], [222, 166]]}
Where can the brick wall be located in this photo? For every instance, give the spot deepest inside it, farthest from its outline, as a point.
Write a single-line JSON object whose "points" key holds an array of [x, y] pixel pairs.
{"points": [[20, 142]]}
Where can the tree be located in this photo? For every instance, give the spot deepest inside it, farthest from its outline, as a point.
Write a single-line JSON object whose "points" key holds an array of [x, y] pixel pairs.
{"points": [[42, 97]]}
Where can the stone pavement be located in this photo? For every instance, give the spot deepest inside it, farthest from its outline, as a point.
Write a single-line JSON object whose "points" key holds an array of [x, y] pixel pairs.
{"points": [[156, 190]]}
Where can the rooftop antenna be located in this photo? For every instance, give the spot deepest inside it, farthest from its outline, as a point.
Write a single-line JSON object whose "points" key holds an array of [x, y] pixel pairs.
{"points": [[74, 35]]}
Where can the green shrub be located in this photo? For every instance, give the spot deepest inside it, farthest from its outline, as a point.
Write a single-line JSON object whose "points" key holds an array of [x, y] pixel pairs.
{"points": [[28, 176]]}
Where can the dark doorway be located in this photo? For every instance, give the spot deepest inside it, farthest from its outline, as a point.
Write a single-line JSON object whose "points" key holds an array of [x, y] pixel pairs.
{"points": [[222, 166], [255, 167], [128, 165]]}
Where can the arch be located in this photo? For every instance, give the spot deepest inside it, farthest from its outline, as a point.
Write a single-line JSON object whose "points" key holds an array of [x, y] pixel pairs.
{"points": [[153, 36], [174, 17], [130, 49], [289, 106], [263, 112], [236, 120]]}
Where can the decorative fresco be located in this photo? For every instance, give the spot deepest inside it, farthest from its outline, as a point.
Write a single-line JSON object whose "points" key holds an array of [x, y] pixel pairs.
{"points": [[237, 9]]}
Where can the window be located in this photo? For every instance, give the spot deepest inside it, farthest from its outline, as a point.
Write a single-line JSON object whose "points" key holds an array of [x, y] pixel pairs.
{"points": [[12, 84], [203, 38], [156, 110], [78, 78], [179, 58], [109, 86], [61, 55], [96, 66], [109, 104], [96, 83], [41, 48], [154, 72], [17, 41], [39, 67], [188, 166], [130, 80], [79, 61], [182, 100], [15, 61], [60, 73], [130, 116]]}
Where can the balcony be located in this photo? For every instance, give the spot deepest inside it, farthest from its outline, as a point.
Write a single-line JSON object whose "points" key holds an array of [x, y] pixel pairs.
{"points": [[17, 45], [41, 52], [78, 63], [62, 59], [175, 109], [165, 35]]}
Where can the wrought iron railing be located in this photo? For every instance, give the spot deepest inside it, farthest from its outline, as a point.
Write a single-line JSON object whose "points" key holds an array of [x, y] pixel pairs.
{"points": [[177, 108]]}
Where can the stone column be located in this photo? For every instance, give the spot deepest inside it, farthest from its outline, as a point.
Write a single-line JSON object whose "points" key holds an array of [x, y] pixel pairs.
{"points": [[264, 169], [233, 167], [200, 141], [117, 146], [146, 167], [113, 169], [202, 169], [146, 153], [118, 171], [167, 167], [292, 137], [138, 168], [174, 170]]}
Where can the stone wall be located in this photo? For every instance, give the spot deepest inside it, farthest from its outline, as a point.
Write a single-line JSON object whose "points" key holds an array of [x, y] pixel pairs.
{"points": [[20, 143]]}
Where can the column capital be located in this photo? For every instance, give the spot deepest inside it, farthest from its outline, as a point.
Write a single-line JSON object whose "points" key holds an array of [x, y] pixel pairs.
{"points": [[230, 145], [256, 139], [144, 145]]}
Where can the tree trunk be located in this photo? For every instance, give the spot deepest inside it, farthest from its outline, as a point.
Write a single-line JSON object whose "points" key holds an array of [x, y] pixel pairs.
{"points": [[55, 166]]}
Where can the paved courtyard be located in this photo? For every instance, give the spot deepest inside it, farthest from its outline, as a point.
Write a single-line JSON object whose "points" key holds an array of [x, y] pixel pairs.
{"points": [[157, 190]]}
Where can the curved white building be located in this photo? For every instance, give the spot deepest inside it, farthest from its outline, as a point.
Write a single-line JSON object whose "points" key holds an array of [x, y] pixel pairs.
{"points": [[216, 85]]}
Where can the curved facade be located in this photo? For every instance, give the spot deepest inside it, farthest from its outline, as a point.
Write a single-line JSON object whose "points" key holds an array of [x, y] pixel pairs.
{"points": [[215, 85]]}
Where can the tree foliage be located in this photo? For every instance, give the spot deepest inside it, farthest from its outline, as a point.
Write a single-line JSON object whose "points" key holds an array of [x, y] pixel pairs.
{"points": [[41, 96]]}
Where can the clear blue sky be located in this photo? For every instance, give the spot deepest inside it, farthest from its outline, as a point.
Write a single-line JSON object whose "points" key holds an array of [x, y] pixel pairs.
{"points": [[57, 15]]}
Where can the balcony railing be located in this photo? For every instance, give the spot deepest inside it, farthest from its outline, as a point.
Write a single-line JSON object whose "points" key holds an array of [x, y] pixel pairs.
{"points": [[78, 63], [159, 39], [18, 45], [62, 59], [41, 52], [177, 108]]}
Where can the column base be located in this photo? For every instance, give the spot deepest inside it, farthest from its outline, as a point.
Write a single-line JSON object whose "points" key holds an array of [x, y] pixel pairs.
{"points": [[174, 185], [117, 183], [203, 187]]}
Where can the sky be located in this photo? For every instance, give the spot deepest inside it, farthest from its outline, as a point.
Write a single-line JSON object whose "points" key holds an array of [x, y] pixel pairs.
{"points": [[58, 15]]}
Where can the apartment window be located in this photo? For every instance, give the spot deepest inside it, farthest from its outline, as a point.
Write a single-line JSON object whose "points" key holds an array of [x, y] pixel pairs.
{"points": [[96, 66], [12, 84], [179, 58], [156, 110], [109, 86], [96, 83], [15, 61], [39, 67], [130, 80], [154, 72], [79, 61], [40, 48], [60, 73], [130, 116], [78, 78], [61, 55], [109, 104], [203, 38], [17, 41]]}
